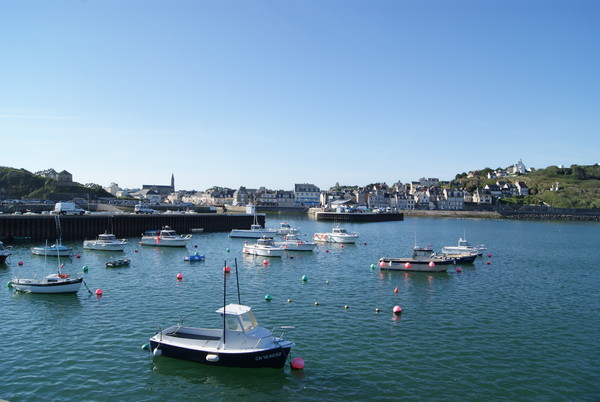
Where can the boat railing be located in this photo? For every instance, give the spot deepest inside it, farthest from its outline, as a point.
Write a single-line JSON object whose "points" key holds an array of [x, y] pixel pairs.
{"points": [[280, 330]]}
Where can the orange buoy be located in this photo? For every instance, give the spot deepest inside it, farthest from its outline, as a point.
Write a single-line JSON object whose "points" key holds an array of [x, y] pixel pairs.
{"points": [[396, 290]]}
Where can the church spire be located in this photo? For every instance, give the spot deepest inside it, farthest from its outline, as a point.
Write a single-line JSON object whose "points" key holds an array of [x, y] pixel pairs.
{"points": [[172, 182]]}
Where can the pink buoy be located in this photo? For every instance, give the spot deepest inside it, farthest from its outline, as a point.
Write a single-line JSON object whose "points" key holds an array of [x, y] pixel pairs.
{"points": [[396, 290], [265, 262], [489, 255], [382, 264], [227, 268], [297, 363], [341, 246], [78, 256], [489, 262], [20, 262], [327, 250], [397, 310], [407, 265], [431, 264], [179, 277], [98, 292], [458, 269]]}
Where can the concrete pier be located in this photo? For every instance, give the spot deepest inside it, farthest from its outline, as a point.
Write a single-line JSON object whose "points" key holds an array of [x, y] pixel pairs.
{"points": [[43, 227]]}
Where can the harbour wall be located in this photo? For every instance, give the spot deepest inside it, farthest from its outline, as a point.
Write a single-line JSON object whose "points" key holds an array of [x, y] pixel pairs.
{"points": [[43, 227]]}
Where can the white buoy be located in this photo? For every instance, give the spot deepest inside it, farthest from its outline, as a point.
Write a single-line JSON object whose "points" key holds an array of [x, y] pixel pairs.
{"points": [[212, 357], [157, 352]]}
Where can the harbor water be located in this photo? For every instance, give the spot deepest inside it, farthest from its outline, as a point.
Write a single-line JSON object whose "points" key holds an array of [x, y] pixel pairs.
{"points": [[519, 324]]}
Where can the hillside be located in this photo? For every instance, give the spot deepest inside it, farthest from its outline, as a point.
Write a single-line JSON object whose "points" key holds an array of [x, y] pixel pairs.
{"points": [[22, 185], [578, 186]]}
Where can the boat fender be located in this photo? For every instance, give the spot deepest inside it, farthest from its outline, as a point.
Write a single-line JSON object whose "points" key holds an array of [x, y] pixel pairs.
{"points": [[212, 358], [157, 352]]}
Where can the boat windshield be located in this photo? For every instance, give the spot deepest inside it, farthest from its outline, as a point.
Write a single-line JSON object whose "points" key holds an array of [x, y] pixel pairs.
{"points": [[242, 322]]}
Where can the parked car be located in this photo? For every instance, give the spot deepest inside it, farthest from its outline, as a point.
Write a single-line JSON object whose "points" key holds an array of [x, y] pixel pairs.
{"points": [[143, 209]]}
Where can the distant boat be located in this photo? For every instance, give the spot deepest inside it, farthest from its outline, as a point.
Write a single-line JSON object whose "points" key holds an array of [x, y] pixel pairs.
{"points": [[166, 237], [121, 262], [194, 257], [337, 235], [285, 229], [291, 242], [53, 283], [463, 246], [424, 260], [105, 242], [4, 253], [256, 231], [265, 246], [54, 250]]}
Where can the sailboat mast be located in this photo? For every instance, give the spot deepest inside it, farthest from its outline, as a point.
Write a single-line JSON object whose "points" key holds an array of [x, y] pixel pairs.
{"points": [[224, 301], [237, 280]]}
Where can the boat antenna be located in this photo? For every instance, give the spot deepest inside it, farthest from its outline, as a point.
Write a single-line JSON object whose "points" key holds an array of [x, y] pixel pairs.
{"points": [[224, 300], [237, 280]]}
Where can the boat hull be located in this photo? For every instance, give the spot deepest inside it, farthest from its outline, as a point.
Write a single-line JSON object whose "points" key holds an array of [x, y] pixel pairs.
{"points": [[266, 358], [165, 242], [3, 258], [31, 286], [412, 265], [90, 245], [251, 234], [297, 246], [51, 252], [263, 252], [328, 238]]}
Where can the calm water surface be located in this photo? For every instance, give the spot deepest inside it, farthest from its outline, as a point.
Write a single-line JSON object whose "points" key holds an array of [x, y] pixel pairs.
{"points": [[524, 327]]}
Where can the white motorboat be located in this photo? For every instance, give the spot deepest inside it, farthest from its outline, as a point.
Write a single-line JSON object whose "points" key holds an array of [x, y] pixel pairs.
{"points": [[106, 242], [240, 342], [166, 237], [464, 247], [4, 253], [337, 235], [53, 283], [286, 229], [291, 242], [265, 246]]}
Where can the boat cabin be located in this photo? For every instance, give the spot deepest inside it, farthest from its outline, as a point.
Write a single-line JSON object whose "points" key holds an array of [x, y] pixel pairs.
{"points": [[255, 227], [339, 230], [107, 237], [266, 241], [238, 318]]}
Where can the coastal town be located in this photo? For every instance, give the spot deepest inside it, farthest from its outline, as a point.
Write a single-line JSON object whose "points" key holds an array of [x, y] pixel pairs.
{"points": [[422, 194]]}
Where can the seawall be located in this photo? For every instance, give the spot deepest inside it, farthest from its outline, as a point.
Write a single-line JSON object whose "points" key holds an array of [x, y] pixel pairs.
{"points": [[43, 227]]}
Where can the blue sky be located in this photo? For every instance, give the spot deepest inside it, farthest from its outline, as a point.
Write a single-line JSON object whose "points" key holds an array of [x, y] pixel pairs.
{"points": [[271, 93]]}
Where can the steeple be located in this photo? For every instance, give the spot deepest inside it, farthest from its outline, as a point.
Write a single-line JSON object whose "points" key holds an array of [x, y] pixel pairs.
{"points": [[172, 182]]}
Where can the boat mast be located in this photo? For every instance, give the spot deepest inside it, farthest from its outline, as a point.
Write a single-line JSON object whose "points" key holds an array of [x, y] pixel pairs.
{"points": [[224, 300], [237, 280]]}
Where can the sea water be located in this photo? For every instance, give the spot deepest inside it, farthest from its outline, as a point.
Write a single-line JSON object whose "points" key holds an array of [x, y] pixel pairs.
{"points": [[519, 324]]}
